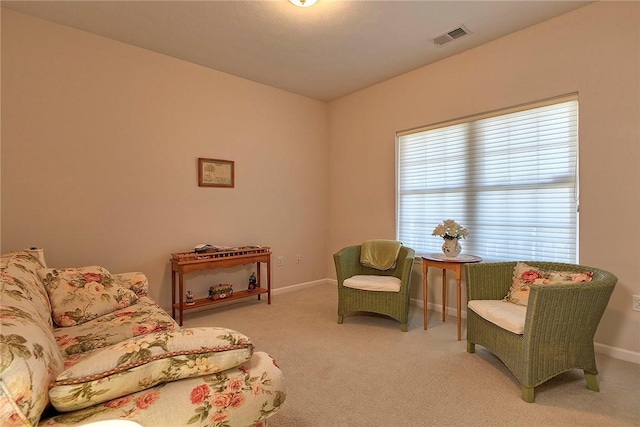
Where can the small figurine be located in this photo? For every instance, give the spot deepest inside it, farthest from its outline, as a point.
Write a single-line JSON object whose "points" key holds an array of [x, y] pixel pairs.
{"points": [[252, 282], [190, 298]]}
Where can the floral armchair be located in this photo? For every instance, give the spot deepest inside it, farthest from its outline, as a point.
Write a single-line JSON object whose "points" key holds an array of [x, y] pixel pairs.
{"points": [[79, 346]]}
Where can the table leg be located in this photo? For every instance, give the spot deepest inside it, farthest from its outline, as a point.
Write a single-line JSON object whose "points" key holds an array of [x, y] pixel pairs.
{"points": [[444, 294], [425, 270], [458, 291], [181, 286], [269, 280], [258, 277], [173, 294]]}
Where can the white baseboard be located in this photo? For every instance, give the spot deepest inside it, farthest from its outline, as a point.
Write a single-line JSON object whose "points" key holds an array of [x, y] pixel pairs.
{"points": [[299, 286], [615, 352]]}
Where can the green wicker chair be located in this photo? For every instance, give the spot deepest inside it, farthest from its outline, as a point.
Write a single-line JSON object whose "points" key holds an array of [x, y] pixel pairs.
{"points": [[560, 323], [392, 304]]}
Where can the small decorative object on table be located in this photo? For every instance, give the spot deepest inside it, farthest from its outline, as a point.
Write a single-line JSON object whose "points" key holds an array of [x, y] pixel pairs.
{"points": [[189, 297], [203, 247], [253, 283], [451, 232], [220, 291]]}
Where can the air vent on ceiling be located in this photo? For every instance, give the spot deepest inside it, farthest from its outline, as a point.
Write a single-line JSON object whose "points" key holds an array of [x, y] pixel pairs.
{"points": [[461, 31]]}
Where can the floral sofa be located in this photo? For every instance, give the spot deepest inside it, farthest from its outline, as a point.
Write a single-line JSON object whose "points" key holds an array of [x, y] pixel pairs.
{"points": [[81, 345]]}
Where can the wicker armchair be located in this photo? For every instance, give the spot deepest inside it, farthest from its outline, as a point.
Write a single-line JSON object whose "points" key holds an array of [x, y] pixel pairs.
{"points": [[392, 304], [559, 327]]}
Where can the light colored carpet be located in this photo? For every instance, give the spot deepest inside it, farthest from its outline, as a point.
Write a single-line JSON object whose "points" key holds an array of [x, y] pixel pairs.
{"points": [[367, 372]]}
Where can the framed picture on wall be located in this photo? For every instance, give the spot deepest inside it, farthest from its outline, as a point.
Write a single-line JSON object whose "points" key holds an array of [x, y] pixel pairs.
{"points": [[215, 173]]}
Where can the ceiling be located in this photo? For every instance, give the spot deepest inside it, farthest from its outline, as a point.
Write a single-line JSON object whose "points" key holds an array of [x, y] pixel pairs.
{"points": [[325, 51]]}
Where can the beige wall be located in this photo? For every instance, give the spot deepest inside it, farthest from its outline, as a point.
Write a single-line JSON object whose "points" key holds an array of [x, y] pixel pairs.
{"points": [[594, 51], [100, 142]]}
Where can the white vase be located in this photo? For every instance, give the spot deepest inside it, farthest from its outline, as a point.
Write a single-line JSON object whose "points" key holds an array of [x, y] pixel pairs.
{"points": [[451, 248]]}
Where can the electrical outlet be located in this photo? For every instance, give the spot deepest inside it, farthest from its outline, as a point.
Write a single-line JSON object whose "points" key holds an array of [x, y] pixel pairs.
{"points": [[280, 260], [636, 303], [298, 258]]}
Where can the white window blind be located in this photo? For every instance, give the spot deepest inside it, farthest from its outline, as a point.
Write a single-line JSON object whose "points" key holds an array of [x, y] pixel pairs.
{"points": [[509, 177]]}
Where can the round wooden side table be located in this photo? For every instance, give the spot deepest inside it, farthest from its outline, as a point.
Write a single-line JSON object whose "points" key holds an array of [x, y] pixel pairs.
{"points": [[445, 263]]}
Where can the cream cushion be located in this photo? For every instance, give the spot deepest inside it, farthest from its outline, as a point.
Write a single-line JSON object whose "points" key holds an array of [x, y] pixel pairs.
{"points": [[373, 283], [501, 313]]}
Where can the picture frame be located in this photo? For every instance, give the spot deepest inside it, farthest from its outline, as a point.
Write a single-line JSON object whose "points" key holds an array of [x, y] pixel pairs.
{"points": [[216, 173]]}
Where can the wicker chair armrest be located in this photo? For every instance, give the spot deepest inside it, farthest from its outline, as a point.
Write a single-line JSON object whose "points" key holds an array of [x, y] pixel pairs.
{"points": [[568, 312], [347, 262], [404, 267], [488, 281]]}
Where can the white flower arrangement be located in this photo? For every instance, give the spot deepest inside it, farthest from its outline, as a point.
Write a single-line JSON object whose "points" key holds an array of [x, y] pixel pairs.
{"points": [[449, 229]]}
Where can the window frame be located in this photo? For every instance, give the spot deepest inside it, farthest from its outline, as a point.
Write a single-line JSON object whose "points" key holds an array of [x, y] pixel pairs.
{"points": [[489, 115]]}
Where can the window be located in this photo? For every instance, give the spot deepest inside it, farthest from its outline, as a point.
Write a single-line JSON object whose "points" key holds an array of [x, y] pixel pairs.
{"points": [[510, 177]]}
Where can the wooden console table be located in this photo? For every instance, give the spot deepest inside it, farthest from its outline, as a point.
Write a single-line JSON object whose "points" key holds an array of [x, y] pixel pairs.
{"points": [[187, 262], [453, 264]]}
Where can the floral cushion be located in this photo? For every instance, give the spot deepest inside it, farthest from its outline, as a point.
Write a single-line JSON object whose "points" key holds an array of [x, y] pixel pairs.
{"points": [[136, 281], [20, 275], [143, 362], [238, 397], [29, 356], [141, 318], [525, 275], [80, 294]]}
